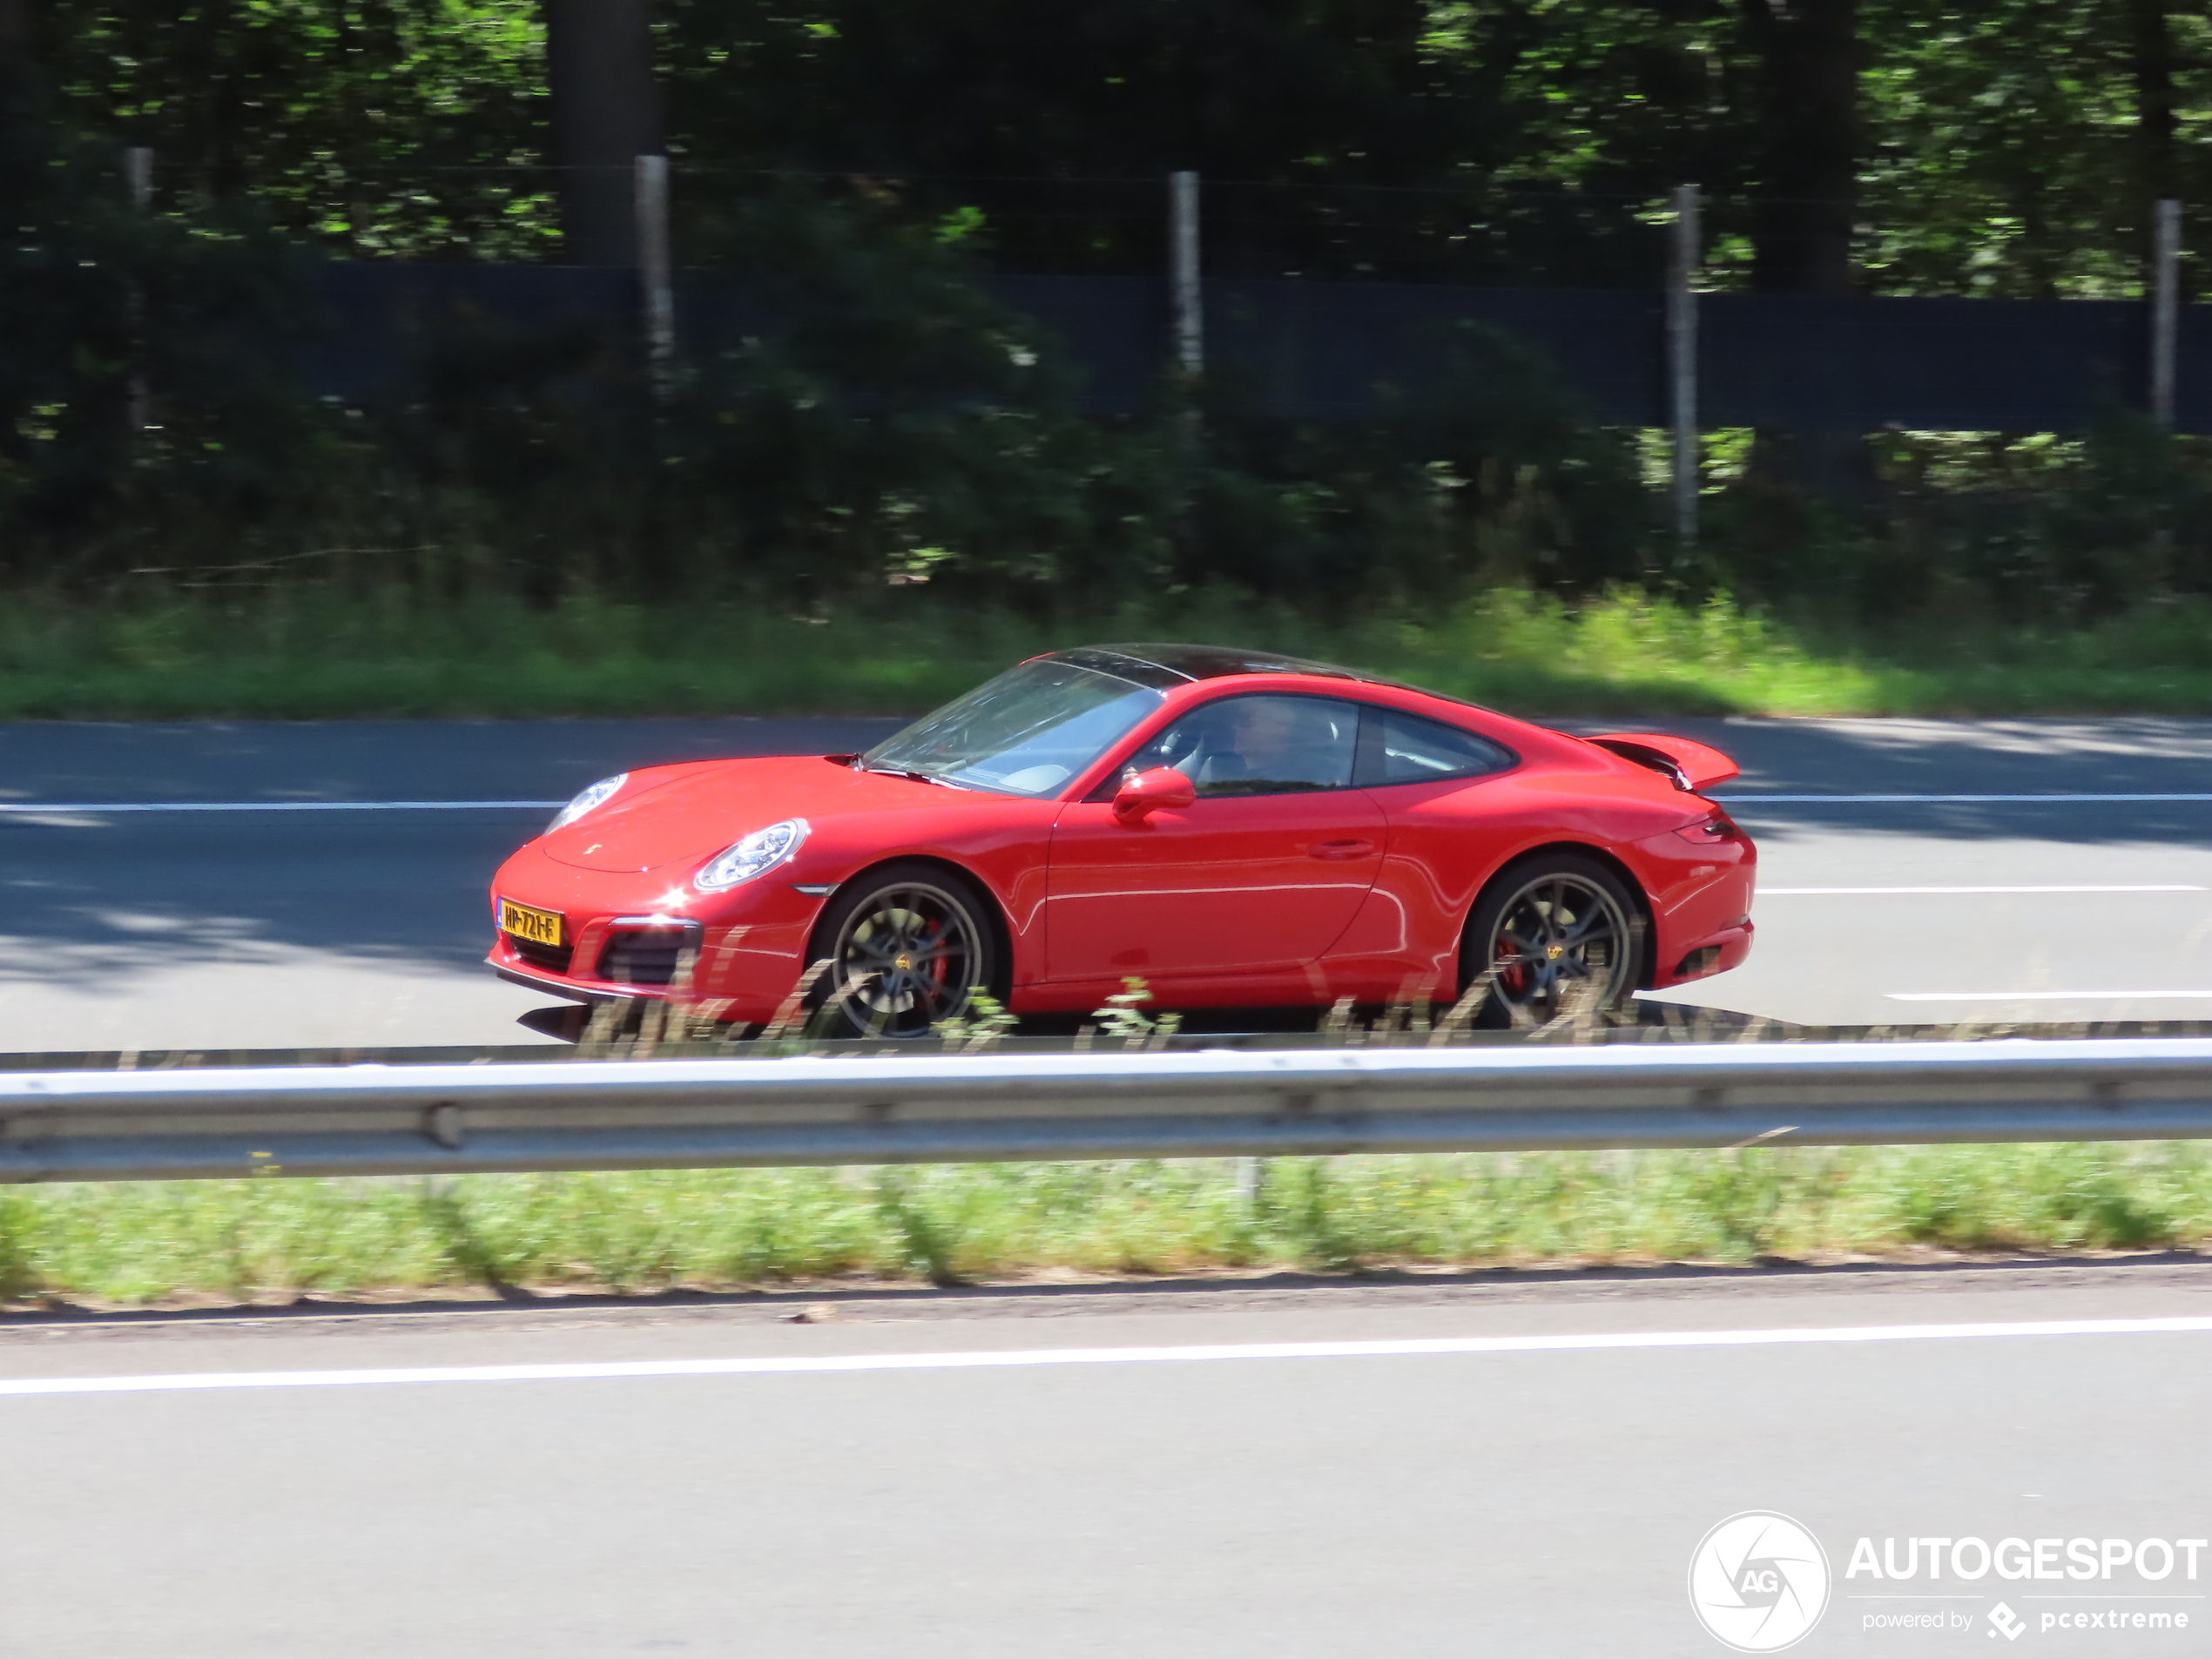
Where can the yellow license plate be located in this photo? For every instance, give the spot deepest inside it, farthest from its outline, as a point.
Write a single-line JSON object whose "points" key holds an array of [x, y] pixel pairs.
{"points": [[539, 926]]}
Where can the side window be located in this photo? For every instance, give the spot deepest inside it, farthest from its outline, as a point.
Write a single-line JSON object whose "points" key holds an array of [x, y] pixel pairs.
{"points": [[1260, 746], [1406, 749]]}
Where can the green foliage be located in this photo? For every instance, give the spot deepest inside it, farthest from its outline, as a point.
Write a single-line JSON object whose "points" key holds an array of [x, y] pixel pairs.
{"points": [[2005, 153], [899, 424], [371, 128], [952, 1223], [295, 650], [887, 424], [952, 105], [2029, 533], [1484, 472], [94, 300], [2003, 146]]}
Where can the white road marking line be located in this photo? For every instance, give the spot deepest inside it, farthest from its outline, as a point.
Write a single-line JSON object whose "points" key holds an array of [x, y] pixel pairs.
{"points": [[1204, 1353], [2045, 996], [1909, 801], [1780, 892], [34, 808]]}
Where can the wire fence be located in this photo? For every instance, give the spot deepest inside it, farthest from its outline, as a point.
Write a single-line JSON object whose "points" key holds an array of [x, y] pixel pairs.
{"points": [[1475, 230]]}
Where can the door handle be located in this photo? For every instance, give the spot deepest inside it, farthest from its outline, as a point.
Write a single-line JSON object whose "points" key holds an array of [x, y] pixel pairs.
{"points": [[1348, 849]]}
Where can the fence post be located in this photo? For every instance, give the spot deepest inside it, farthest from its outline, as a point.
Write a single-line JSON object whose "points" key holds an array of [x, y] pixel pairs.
{"points": [[137, 177], [1682, 363], [1186, 299], [2165, 315], [655, 276]]}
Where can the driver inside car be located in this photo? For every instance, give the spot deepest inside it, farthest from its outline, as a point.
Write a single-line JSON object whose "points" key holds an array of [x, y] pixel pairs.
{"points": [[1266, 745]]}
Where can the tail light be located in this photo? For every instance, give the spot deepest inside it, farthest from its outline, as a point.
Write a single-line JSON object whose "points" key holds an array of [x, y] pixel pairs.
{"points": [[1714, 830]]}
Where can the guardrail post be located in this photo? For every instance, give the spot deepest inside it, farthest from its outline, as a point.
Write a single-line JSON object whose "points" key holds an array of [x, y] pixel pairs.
{"points": [[1682, 361], [655, 273], [1249, 1178], [2165, 314], [1185, 297]]}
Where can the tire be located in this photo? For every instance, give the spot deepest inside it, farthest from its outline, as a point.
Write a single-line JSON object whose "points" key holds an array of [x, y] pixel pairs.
{"points": [[1563, 934], [908, 945]]}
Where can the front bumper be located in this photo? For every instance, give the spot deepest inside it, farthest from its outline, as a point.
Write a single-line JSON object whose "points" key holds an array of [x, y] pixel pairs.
{"points": [[743, 952]]}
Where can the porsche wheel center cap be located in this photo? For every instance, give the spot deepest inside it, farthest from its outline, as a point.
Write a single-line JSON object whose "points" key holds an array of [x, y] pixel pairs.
{"points": [[1552, 952], [904, 964]]}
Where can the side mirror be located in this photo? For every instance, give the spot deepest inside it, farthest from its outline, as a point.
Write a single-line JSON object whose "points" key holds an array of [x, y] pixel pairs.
{"points": [[1150, 791]]}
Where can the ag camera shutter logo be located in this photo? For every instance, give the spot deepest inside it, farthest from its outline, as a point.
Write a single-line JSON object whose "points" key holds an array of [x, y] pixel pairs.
{"points": [[1758, 1582]]}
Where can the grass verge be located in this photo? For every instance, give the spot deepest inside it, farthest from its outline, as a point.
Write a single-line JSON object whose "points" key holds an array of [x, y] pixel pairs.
{"points": [[311, 652], [727, 1230]]}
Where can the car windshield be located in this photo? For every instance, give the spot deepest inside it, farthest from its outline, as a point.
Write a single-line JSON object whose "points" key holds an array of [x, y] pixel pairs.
{"points": [[1026, 732]]}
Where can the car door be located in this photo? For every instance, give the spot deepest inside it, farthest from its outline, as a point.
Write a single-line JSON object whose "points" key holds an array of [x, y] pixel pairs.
{"points": [[1259, 874], [1453, 814]]}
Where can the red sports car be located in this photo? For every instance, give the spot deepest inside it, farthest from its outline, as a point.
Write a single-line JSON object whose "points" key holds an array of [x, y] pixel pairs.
{"points": [[1237, 829]]}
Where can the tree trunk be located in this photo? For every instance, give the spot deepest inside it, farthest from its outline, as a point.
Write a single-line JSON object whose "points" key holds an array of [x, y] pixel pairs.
{"points": [[2158, 159], [1804, 204], [1807, 160], [606, 113], [16, 43]]}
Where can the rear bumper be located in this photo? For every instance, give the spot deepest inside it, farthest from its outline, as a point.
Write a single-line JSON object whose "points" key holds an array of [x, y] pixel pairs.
{"points": [[1715, 953]]}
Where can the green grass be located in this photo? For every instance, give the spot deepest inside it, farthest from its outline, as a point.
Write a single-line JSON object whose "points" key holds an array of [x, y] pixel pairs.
{"points": [[309, 652], [727, 1230]]}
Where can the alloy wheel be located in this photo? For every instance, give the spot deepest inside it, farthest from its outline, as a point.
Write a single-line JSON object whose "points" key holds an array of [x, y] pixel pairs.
{"points": [[910, 955], [1561, 944]]}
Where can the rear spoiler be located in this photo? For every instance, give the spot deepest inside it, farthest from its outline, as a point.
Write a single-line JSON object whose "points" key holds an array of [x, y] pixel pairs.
{"points": [[1691, 766]]}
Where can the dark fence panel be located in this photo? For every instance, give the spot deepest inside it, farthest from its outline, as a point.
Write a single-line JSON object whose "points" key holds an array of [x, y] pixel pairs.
{"points": [[2193, 392], [1849, 365], [1115, 329], [1339, 350], [380, 318], [1305, 350]]}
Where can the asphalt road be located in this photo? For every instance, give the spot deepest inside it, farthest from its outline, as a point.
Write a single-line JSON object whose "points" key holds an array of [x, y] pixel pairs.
{"points": [[280, 928], [1178, 1494]]}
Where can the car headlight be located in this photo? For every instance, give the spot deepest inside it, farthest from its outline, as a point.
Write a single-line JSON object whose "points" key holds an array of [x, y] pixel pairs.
{"points": [[762, 850], [597, 795]]}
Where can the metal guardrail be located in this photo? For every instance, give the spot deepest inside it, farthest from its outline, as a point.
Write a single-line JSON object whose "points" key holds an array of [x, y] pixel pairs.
{"points": [[673, 1114]]}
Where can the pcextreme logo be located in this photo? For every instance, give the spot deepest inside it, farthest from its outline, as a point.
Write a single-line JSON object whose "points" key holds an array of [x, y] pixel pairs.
{"points": [[1758, 1581]]}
